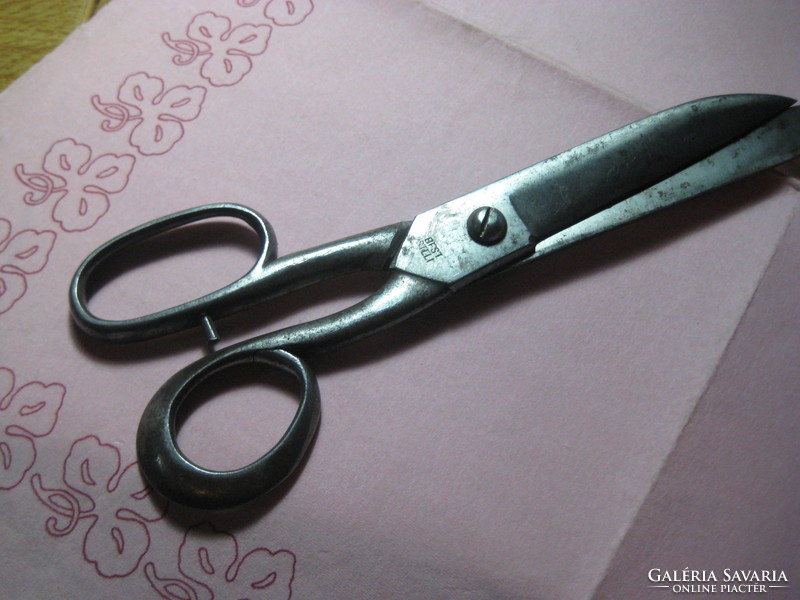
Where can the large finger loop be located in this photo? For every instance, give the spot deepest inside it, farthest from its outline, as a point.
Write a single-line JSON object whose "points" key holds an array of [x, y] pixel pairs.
{"points": [[180, 480]]}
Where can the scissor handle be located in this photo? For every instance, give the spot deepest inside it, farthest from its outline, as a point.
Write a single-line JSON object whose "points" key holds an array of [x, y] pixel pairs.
{"points": [[179, 479], [189, 314], [268, 278], [163, 465]]}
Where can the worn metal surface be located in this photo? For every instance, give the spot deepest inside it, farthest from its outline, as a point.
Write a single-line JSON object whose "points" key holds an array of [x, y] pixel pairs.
{"points": [[619, 177], [775, 142], [186, 483], [561, 191]]}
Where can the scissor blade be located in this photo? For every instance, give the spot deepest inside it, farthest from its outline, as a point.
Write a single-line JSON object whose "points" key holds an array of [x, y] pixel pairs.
{"points": [[774, 143], [561, 191]]}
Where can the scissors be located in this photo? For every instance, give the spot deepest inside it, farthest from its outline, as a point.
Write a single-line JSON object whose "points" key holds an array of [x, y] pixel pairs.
{"points": [[621, 176]]}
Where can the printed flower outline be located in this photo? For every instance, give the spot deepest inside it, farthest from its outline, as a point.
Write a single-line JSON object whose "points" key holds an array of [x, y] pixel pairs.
{"points": [[283, 12], [27, 413], [81, 185], [159, 113], [209, 563], [23, 254], [114, 500], [226, 50]]}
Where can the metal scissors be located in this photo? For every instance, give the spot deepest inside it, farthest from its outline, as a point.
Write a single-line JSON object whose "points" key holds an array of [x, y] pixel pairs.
{"points": [[619, 177]]}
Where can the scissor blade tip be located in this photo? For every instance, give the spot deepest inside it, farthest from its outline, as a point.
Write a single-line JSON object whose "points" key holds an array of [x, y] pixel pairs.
{"points": [[785, 100], [745, 110], [772, 100]]}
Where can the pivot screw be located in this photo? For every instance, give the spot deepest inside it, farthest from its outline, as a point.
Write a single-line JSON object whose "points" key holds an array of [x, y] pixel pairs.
{"points": [[487, 226]]}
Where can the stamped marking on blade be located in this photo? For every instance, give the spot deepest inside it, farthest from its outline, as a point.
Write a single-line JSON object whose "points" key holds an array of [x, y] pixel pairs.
{"points": [[429, 250], [439, 246]]}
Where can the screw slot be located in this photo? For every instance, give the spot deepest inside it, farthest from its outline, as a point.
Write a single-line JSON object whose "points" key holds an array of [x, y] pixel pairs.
{"points": [[487, 226]]}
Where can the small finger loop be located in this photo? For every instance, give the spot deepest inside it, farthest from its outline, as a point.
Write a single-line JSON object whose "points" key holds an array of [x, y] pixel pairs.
{"points": [[175, 318], [180, 480]]}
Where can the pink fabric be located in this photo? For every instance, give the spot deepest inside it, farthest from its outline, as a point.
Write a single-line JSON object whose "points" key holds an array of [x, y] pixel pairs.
{"points": [[528, 439]]}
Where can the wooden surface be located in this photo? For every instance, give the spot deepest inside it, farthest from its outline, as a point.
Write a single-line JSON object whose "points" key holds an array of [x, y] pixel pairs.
{"points": [[29, 29]]}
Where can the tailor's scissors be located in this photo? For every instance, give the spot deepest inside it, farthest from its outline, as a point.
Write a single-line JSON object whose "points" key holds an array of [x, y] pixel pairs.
{"points": [[616, 178]]}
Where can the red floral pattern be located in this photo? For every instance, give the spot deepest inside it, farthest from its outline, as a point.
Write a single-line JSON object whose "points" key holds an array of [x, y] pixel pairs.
{"points": [[284, 12], [114, 500], [21, 255], [158, 113], [80, 184], [28, 413], [209, 559], [96, 499], [224, 50]]}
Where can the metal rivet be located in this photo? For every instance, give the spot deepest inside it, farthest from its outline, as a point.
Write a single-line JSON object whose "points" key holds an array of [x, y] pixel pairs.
{"points": [[487, 226]]}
